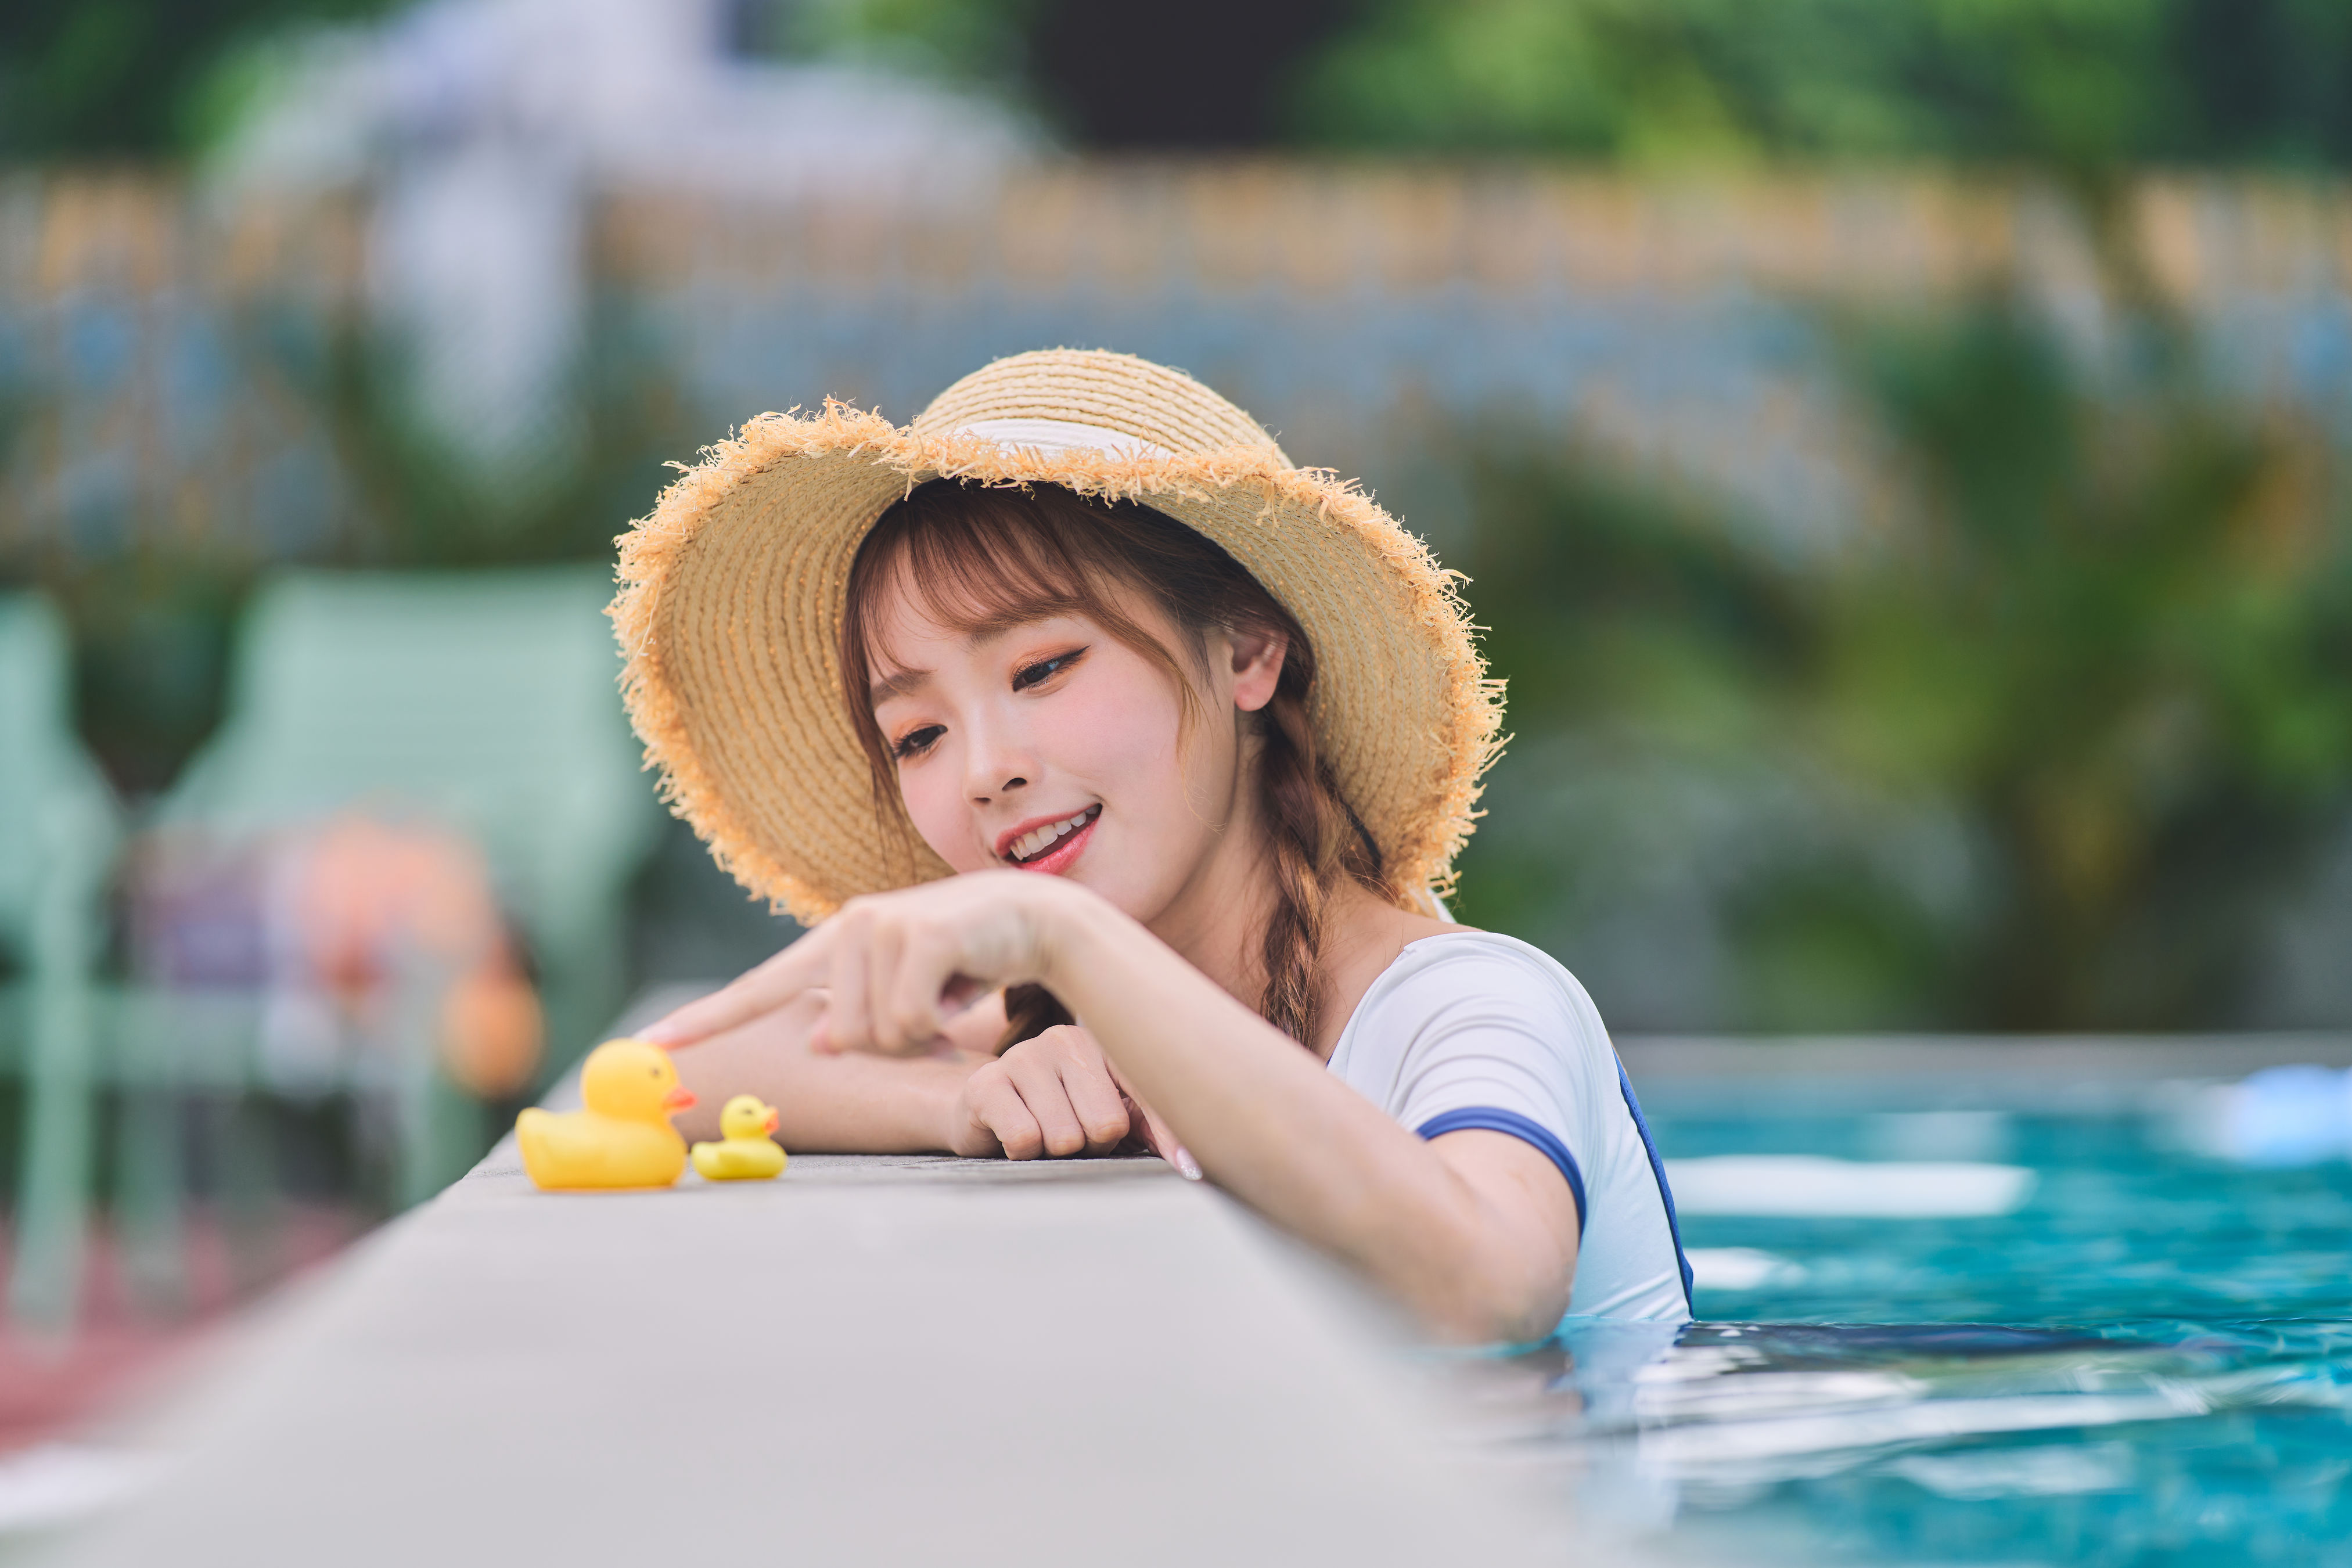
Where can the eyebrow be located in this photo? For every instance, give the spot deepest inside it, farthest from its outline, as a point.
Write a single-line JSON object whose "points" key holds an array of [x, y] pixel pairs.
{"points": [[896, 685]]}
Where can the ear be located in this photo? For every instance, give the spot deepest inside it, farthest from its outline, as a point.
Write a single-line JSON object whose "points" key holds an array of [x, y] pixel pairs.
{"points": [[1257, 658]]}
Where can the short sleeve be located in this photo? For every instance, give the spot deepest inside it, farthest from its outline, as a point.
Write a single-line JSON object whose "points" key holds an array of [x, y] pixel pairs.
{"points": [[1490, 1042], [1475, 1030]]}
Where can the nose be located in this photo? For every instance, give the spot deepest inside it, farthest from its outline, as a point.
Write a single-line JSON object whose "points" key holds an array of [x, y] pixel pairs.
{"points": [[996, 761]]}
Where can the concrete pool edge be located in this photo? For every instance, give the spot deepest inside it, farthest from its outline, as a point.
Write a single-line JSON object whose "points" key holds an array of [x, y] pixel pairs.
{"points": [[869, 1360]]}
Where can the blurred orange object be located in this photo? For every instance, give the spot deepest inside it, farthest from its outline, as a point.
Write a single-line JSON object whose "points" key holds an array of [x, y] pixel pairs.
{"points": [[367, 896], [492, 1033], [336, 921]]}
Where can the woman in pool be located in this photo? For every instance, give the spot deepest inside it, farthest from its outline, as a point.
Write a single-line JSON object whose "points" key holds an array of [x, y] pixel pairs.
{"points": [[1118, 765]]}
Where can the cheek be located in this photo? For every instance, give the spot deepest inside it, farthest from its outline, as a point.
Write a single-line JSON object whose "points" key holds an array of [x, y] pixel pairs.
{"points": [[1116, 734], [1168, 791], [933, 796]]}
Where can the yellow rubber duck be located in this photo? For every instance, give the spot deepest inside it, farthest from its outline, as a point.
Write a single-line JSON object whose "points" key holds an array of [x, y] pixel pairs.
{"points": [[623, 1138], [746, 1154]]}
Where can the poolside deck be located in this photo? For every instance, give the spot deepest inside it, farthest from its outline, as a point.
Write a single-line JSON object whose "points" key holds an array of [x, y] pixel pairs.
{"points": [[870, 1361]]}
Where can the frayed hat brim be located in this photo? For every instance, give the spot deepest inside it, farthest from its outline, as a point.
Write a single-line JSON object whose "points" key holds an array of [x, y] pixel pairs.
{"points": [[732, 591]]}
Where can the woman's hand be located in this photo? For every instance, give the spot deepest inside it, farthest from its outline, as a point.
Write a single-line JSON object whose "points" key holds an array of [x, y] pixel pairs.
{"points": [[1053, 1096], [896, 966], [828, 1102]]}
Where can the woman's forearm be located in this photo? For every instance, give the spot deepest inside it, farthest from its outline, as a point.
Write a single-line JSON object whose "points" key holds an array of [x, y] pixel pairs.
{"points": [[851, 1103], [1268, 1119]]}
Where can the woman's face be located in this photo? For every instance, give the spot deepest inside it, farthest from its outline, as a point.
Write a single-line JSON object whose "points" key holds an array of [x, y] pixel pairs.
{"points": [[1055, 748]]}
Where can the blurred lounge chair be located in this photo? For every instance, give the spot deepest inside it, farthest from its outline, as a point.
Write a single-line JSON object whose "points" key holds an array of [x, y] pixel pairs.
{"points": [[482, 704], [59, 833]]}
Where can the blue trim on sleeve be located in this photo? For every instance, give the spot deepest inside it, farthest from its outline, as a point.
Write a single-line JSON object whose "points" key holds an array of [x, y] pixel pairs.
{"points": [[1493, 1118], [1666, 1193]]}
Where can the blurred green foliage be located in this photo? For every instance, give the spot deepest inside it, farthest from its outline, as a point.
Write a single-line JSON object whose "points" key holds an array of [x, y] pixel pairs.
{"points": [[2071, 82], [133, 78], [983, 42], [2066, 81], [2105, 636], [1673, 81], [419, 499], [150, 629]]}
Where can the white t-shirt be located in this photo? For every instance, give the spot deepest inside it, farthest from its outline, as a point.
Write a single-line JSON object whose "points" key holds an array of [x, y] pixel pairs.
{"points": [[1473, 1030]]}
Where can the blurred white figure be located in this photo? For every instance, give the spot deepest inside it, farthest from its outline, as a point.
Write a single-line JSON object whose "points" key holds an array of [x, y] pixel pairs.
{"points": [[485, 128], [474, 265], [2279, 1115], [1814, 1185]]}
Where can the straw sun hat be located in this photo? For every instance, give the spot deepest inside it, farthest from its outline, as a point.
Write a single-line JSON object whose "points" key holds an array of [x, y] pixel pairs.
{"points": [[732, 594]]}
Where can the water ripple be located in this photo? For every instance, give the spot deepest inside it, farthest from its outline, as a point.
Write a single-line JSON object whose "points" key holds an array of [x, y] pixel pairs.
{"points": [[2145, 1361]]}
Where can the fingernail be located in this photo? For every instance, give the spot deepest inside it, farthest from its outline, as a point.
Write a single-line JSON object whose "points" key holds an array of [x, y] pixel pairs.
{"points": [[1187, 1166]]}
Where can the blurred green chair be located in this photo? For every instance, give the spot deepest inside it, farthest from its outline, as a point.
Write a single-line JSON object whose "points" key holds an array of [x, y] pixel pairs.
{"points": [[483, 702], [59, 833]]}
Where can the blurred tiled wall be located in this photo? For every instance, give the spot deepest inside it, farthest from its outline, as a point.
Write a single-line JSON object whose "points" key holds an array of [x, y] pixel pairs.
{"points": [[160, 347]]}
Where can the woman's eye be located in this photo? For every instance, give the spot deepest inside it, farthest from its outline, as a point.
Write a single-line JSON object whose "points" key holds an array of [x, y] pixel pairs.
{"points": [[1045, 669], [915, 742]]}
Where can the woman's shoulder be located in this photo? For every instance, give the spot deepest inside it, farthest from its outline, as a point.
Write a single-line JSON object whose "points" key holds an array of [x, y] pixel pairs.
{"points": [[1463, 977], [1468, 1016], [1458, 951]]}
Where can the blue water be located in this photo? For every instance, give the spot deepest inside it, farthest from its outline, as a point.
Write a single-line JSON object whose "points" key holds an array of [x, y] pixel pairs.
{"points": [[2148, 1362]]}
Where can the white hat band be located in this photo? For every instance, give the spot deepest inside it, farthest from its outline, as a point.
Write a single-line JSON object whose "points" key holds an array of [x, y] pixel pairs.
{"points": [[1052, 438]]}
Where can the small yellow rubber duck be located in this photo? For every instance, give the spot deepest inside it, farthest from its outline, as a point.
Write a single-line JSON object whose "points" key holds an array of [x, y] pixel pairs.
{"points": [[623, 1138], [747, 1153]]}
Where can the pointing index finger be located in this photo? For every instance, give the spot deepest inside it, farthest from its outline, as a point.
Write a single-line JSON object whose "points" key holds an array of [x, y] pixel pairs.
{"points": [[757, 990]]}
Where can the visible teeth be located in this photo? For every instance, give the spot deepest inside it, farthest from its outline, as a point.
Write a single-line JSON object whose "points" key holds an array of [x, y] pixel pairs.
{"points": [[1030, 842]]}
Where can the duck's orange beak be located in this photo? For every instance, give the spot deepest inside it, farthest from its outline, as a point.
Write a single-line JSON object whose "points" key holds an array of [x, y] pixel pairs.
{"points": [[774, 1117], [678, 1099]]}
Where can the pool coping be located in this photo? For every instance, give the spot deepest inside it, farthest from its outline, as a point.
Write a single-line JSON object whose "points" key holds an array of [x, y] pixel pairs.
{"points": [[870, 1359]]}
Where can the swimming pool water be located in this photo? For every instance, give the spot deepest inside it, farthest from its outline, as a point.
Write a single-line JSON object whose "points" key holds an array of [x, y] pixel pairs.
{"points": [[2147, 1360]]}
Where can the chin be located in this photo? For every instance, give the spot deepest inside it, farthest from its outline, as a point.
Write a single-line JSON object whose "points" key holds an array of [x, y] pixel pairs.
{"points": [[1126, 900], [1141, 900], [1103, 875]]}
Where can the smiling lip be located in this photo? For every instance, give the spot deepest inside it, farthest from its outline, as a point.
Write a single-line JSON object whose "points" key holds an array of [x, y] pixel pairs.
{"points": [[1057, 856]]}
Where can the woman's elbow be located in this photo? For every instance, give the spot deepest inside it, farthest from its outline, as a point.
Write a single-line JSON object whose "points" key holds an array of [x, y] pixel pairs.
{"points": [[1505, 1302]]}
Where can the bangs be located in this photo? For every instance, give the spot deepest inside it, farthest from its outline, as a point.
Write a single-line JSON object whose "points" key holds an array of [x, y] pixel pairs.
{"points": [[986, 562], [980, 560]]}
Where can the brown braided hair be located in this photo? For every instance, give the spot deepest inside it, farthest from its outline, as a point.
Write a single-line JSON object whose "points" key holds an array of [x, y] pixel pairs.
{"points": [[990, 558]]}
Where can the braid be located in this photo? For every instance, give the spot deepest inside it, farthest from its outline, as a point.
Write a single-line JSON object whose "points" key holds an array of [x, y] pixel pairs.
{"points": [[1298, 834], [1316, 840]]}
